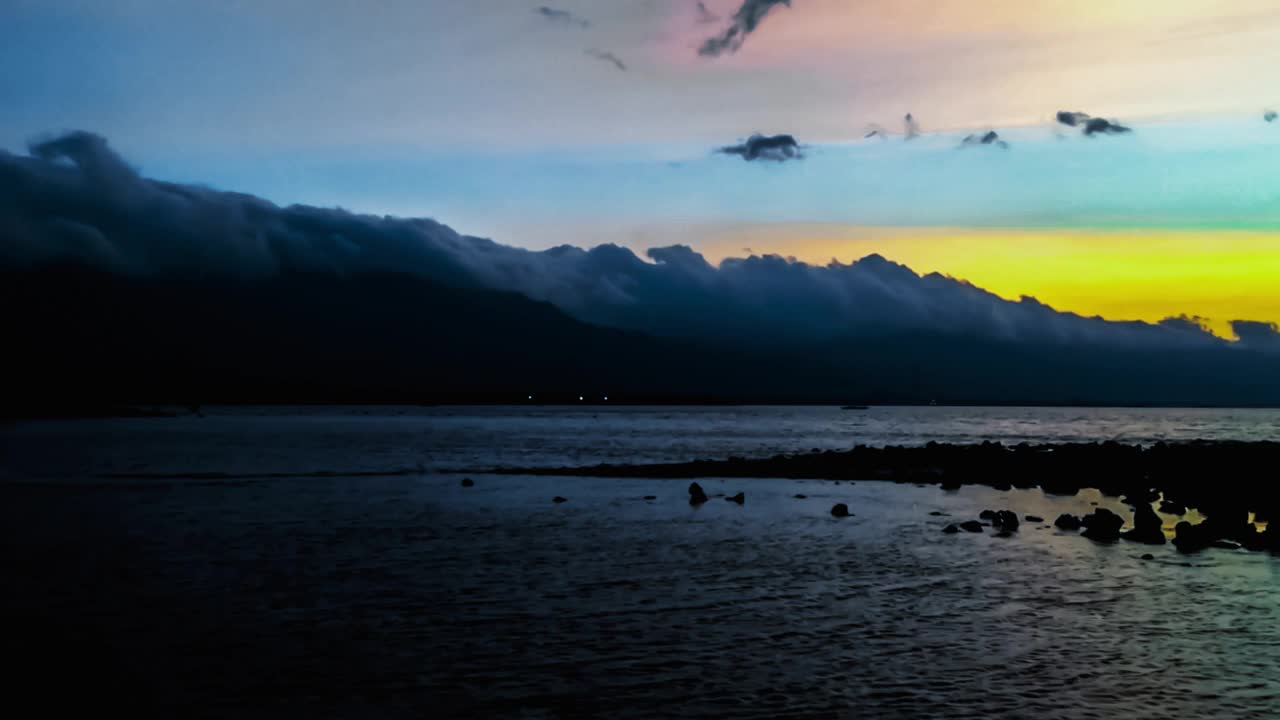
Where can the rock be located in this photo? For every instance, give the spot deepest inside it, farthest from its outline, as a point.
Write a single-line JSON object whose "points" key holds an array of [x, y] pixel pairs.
{"points": [[1006, 520], [1004, 534], [650, 497], [801, 497], [938, 513], [1147, 526], [1102, 525], [840, 510], [1067, 521], [1033, 518], [468, 482], [697, 495], [951, 529], [740, 498], [557, 499], [1190, 538], [987, 515], [1170, 507], [972, 526], [1148, 556]]}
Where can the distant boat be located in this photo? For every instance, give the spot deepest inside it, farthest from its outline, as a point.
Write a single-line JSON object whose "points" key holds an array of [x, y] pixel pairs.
{"points": [[855, 407]]}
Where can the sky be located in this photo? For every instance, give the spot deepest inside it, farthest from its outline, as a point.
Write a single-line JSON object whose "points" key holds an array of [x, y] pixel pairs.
{"points": [[597, 121]]}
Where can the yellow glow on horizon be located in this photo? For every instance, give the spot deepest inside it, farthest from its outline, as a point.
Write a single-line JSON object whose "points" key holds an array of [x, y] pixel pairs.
{"points": [[1120, 275]]}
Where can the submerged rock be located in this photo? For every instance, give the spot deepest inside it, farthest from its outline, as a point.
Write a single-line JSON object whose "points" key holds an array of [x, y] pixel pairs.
{"points": [[1033, 518], [840, 510], [1102, 525], [939, 513], [972, 526], [1148, 556], [740, 498], [650, 497], [801, 497], [557, 499], [1147, 526], [951, 529], [697, 495], [468, 482], [1067, 521]]}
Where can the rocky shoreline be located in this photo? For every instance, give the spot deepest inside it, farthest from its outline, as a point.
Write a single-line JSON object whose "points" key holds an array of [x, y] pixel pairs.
{"points": [[1234, 485]]}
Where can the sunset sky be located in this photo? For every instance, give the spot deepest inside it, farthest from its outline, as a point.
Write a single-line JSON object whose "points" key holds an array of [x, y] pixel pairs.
{"points": [[597, 121]]}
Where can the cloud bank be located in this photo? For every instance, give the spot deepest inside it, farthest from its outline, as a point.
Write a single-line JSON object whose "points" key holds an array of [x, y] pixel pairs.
{"points": [[73, 200], [743, 23]]}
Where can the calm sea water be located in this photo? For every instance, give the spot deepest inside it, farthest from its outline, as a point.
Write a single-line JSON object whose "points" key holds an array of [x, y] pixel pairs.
{"points": [[253, 440], [411, 596]]}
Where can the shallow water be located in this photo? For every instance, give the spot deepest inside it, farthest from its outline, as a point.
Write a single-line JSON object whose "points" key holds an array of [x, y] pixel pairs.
{"points": [[405, 596]]}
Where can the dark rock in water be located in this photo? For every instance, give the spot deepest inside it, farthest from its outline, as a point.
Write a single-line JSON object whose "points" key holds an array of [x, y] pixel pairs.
{"points": [[1004, 533], [1170, 507], [939, 513], [1067, 521], [697, 495], [650, 497], [557, 499], [951, 529], [840, 510], [468, 482], [740, 498], [987, 515], [1148, 556], [1033, 518], [972, 526], [1006, 520], [1190, 538], [1147, 526], [1102, 525], [801, 497]]}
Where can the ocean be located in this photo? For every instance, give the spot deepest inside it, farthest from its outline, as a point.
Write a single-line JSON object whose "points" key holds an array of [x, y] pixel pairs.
{"points": [[327, 562]]}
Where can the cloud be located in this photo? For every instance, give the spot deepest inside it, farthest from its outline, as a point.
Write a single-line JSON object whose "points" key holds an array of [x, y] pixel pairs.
{"points": [[744, 22], [563, 17], [1106, 127], [608, 57], [74, 201], [1072, 119], [910, 127], [1091, 125], [705, 16], [990, 137], [1253, 335], [761, 147]]}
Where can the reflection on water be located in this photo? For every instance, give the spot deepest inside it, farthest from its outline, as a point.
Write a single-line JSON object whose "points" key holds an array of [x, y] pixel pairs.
{"points": [[254, 440], [387, 596], [409, 596]]}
